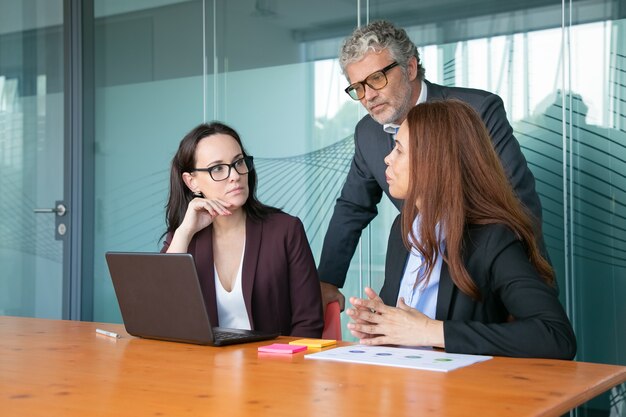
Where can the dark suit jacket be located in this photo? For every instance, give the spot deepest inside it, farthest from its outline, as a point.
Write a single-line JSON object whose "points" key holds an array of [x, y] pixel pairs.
{"points": [[365, 183], [510, 286], [279, 281]]}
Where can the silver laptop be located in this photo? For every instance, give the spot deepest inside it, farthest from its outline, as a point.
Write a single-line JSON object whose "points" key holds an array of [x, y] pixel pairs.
{"points": [[160, 298]]}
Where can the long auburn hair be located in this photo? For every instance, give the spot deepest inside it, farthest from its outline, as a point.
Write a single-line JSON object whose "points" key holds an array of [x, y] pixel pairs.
{"points": [[185, 161], [458, 179]]}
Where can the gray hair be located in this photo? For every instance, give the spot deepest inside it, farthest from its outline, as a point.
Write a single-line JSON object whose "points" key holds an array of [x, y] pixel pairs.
{"points": [[375, 37]]}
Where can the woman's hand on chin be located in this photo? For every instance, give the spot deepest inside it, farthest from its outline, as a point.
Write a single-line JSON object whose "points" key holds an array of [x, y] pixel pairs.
{"points": [[201, 212]]}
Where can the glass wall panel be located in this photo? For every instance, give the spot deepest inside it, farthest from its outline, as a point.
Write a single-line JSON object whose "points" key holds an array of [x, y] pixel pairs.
{"points": [[595, 109], [149, 78], [31, 157], [598, 158]]}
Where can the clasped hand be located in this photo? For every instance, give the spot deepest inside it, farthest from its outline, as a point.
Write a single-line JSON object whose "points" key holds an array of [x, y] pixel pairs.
{"points": [[375, 323]]}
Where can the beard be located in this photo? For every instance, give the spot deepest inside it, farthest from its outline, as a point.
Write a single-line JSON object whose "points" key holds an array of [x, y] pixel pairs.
{"points": [[400, 104]]}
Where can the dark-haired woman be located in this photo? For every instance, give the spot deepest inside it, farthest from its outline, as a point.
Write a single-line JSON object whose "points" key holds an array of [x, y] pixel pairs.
{"points": [[463, 268], [255, 265]]}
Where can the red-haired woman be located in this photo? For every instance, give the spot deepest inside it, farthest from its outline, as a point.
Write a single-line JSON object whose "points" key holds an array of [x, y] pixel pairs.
{"points": [[463, 268]]}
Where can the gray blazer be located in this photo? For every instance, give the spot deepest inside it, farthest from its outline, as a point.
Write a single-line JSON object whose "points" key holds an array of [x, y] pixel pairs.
{"points": [[509, 285], [365, 183]]}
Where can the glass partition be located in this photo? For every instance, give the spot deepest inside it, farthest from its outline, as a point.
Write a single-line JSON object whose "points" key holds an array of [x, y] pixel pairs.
{"points": [[31, 157], [148, 74], [595, 112]]}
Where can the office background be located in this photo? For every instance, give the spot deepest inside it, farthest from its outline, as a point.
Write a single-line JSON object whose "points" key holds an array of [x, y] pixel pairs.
{"points": [[95, 96]]}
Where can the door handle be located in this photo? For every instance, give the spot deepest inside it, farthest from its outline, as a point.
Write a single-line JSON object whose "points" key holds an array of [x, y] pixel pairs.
{"points": [[60, 222], [60, 210]]}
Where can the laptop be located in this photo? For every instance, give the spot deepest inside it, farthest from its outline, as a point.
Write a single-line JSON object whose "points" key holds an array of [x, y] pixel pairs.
{"points": [[160, 298]]}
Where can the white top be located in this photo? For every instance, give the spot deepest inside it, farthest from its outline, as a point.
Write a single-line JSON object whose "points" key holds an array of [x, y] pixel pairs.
{"points": [[421, 297], [231, 309]]}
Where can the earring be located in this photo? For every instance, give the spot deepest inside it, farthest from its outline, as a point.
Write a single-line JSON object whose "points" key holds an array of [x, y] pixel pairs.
{"points": [[197, 194]]}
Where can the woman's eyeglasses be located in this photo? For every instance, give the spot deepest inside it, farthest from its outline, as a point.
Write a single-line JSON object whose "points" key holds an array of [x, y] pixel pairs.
{"points": [[220, 172]]}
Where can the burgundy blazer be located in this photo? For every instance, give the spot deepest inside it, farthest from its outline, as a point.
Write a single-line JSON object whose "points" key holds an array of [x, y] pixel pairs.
{"points": [[280, 284]]}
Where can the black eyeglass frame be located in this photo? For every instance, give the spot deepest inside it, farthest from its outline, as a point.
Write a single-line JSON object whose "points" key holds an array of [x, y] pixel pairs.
{"points": [[354, 86], [248, 161]]}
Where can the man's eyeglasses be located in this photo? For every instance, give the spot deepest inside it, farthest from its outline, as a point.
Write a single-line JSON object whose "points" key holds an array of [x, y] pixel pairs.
{"points": [[220, 172], [375, 80]]}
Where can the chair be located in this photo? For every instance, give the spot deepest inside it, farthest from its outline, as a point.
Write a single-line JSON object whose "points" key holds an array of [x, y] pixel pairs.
{"points": [[332, 322]]}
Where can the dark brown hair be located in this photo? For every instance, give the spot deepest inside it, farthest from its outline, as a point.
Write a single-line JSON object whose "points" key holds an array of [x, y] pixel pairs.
{"points": [[185, 161], [458, 179]]}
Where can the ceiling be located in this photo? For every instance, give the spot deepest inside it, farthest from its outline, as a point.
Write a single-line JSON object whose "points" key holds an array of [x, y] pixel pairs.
{"points": [[306, 19]]}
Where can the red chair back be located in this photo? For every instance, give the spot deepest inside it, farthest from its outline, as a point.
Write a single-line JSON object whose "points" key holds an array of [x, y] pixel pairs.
{"points": [[332, 322]]}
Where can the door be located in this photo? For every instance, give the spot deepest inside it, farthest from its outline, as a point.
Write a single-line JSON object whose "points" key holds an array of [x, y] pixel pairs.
{"points": [[33, 225]]}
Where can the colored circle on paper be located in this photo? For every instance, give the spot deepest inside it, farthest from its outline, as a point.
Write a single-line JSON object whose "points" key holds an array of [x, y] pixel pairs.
{"points": [[356, 351], [443, 360], [383, 354], [413, 357]]}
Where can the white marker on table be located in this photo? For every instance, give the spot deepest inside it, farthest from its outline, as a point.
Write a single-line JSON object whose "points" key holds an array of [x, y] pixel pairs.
{"points": [[107, 333]]}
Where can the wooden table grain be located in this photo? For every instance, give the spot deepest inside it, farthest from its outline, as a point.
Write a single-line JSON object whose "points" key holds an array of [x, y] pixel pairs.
{"points": [[64, 368]]}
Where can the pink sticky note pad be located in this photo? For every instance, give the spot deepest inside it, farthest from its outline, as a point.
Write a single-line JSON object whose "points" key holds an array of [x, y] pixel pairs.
{"points": [[281, 348]]}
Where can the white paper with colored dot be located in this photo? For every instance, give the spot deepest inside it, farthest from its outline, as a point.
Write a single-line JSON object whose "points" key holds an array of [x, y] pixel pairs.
{"points": [[424, 359]]}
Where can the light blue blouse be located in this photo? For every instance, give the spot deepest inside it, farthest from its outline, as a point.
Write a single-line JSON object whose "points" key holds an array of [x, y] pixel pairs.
{"points": [[422, 296]]}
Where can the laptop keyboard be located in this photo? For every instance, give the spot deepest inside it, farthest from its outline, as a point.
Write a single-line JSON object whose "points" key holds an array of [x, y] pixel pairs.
{"points": [[223, 335]]}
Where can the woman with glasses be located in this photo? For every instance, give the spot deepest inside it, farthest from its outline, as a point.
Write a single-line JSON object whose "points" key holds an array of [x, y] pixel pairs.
{"points": [[463, 270], [255, 265]]}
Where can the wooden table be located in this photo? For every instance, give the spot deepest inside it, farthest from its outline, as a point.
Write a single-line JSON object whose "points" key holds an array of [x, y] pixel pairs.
{"points": [[63, 368]]}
